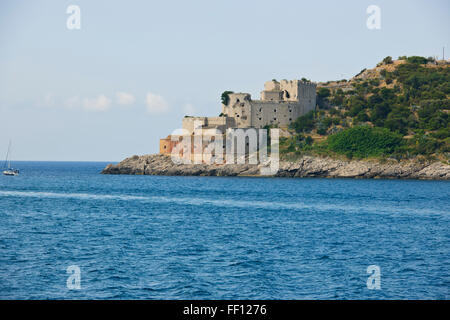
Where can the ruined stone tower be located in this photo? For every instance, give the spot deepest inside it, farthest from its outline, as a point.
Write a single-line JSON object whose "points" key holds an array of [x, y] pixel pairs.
{"points": [[280, 104]]}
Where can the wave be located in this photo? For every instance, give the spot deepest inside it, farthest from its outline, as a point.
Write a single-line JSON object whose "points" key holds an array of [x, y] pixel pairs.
{"points": [[229, 203]]}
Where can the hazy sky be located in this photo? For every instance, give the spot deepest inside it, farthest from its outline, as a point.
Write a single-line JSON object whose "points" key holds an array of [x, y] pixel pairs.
{"points": [[126, 78]]}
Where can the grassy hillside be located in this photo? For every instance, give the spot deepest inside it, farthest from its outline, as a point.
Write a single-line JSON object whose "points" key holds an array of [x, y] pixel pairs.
{"points": [[400, 109]]}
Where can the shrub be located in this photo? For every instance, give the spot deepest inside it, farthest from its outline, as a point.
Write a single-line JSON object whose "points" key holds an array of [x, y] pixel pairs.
{"points": [[309, 141], [323, 93], [304, 123], [322, 131], [326, 122], [336, 121], [442, 133], [380, 112], [364, 141], [397, 119], [387, 60], [334, 111], [417, 60], [362, 116], [425, 145]]}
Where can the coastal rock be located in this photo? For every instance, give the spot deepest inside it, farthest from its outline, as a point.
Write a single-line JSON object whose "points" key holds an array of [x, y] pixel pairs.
{"points": [[306, 166]]}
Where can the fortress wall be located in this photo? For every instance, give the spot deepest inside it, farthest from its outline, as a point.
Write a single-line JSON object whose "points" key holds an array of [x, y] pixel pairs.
{"points": [[308, 96], [273, 109], [221, 123], [188, 122], [298, 90], [271, 95], [239, 108], [292, 87], [274, 113], [271, 85]]}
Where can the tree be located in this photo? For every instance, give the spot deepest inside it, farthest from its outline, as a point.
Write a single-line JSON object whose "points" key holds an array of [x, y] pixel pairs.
{"points": [[309, 141], [225, 98], [397, 120], [380, 112], [304, 123], [387, 60], [323, 93], [362, 116]]}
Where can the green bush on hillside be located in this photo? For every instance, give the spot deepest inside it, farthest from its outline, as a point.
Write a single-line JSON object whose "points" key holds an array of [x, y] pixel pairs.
{"points": [[304, 123], [323, 92], [417, 60], [364, 141]]}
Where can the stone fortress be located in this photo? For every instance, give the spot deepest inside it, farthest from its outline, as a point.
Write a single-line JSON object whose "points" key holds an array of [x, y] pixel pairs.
{"points": [[281, 103]]}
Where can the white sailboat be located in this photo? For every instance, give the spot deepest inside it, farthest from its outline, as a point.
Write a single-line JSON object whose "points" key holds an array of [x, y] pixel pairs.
{"points": [[9, 171]]}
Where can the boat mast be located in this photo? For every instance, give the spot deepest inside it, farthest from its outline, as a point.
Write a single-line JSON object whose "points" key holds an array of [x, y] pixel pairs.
{"points": [[7, 161]]}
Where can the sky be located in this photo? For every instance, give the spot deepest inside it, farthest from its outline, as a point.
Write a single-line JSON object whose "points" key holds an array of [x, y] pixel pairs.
{"points": [[127, 76]]}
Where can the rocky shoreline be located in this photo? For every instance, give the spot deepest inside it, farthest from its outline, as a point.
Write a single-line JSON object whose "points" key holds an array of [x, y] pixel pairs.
{"points": [[307, 166]]}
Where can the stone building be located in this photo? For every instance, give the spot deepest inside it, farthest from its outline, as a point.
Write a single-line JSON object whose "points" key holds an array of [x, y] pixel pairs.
{"points": [[280, 104], [220, 123]]}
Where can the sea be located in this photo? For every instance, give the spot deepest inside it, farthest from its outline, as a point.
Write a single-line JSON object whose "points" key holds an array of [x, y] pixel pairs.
{"points": [[69, 232]]}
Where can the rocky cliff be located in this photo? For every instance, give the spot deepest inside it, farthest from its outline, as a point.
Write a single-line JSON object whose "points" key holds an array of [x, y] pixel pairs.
{"points": [[306, 166]]}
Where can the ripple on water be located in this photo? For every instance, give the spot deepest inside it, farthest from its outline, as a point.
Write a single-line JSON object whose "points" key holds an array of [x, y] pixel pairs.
{"points": [[213, 238]]}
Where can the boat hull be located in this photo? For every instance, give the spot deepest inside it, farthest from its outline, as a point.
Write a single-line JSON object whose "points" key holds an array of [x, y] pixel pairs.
{"points": [[10, 173]]}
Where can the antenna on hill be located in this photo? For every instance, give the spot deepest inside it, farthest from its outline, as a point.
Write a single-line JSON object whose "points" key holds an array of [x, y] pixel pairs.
{"points": [[443, 51]]}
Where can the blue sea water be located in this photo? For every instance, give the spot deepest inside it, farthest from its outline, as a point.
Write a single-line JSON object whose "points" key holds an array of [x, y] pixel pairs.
{"points": [[151, 237]]}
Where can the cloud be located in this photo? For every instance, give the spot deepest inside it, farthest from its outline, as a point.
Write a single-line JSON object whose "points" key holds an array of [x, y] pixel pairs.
{"points": [[48, 100], [100, 103], [72, 102], [124, 98], [156, 103], [189, 109]]}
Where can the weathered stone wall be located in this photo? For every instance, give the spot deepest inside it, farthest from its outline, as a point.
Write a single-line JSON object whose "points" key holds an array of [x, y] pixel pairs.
{"points": [[280, 104], [166, 145], [221, 123], [272, 95], [239, 107], [275, 113], [271, 85]]}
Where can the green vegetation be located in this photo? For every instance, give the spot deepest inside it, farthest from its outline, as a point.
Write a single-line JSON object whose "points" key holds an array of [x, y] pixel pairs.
{"points": [[403, 112], [225, 98], [323, 93], [365, 141], [304, 123], [387, 60]]}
